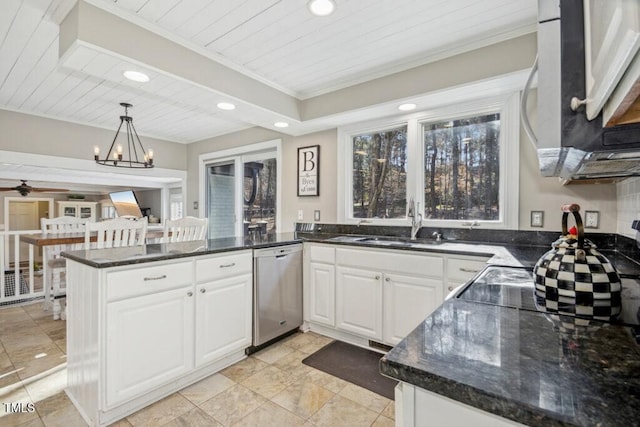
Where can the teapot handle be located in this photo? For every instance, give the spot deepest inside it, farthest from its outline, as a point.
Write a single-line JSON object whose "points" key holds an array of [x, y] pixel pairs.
{"points": [[575, 210]]}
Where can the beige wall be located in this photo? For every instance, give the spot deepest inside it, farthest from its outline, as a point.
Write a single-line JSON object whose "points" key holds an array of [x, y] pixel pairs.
{"points": [[548, 194], [498, 59], [38, 135]]}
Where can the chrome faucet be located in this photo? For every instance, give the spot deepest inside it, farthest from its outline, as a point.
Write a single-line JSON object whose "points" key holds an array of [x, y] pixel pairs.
{"points": [[437, 235], [413, 213]]}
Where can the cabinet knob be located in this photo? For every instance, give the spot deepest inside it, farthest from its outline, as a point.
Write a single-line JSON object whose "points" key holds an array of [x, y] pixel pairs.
{"points": [[189, 294], [202, 291], [450, 288], [377, 277], [386, 279]]}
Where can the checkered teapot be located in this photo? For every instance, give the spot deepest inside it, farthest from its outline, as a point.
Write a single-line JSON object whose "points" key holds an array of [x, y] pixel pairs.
{"points": [[574, 278]]}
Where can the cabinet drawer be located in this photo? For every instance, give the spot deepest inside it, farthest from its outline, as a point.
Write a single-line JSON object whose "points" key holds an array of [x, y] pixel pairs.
{"points": [[319, 253], [147, 280], [392, 260], [462, 269], [224, 265]]}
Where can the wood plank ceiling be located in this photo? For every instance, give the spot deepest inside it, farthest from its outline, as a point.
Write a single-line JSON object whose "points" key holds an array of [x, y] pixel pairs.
{"points": [[277, 42]]}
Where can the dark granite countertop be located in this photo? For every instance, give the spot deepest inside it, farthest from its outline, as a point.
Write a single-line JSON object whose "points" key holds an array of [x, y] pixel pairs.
{"points": [[498, 253], [524, 365], [520, 364], [114, 257]]}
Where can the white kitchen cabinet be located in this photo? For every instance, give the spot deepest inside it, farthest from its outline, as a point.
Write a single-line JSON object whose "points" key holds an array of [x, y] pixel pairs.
{"points": [[223, 317], [359, 301], [383, 294], [224, 303], [150, 342], [322, 293], [416, 407], [460, 269], [86, 210], [408, 300], [319, 287], [137, 333], [612, 40], [358, 294]]}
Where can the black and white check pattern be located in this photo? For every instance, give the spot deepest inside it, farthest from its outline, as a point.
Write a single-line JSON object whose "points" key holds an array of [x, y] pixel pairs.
{"points": [[567, 285]]}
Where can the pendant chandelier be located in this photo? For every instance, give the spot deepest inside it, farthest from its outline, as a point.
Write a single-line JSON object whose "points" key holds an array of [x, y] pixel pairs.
{"points": [[136, 157]]}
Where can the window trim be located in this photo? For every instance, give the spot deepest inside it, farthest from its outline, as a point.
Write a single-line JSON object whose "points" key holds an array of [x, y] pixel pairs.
{"points": [[508, 105]]}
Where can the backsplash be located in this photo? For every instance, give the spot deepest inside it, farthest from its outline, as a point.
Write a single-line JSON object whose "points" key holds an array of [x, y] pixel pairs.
{"points": [[628, 205], [517, 237]]}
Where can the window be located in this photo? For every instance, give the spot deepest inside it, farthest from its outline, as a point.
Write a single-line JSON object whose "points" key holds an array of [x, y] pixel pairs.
{"points": [[380, 174], [451, 161], [176, 206], [462, 168]]}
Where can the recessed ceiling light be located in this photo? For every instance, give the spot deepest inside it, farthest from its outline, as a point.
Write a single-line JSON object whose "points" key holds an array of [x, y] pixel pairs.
{"points": [[321, 7], [407, 107], [136, 76], [281, 124], [226, 106]]}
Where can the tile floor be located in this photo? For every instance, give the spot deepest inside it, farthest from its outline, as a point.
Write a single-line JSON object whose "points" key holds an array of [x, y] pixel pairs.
{"points": [[269, 388]]}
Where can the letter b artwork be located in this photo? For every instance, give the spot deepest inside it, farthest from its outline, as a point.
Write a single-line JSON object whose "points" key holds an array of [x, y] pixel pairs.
{"points": [[309, 171]]}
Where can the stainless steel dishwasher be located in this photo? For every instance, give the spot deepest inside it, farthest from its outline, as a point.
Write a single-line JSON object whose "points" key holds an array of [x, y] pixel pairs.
{"points": [[277, 292]]}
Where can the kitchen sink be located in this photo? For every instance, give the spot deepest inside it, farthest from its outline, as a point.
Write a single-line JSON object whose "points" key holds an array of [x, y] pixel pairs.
{"points": [[384, 241]]}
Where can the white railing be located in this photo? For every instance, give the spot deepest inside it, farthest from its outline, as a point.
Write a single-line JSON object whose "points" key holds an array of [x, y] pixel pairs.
{"points": [[18, 276]]}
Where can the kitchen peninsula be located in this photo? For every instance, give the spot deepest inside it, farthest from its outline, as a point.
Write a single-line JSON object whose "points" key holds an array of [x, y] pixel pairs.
{"points": [[146, 321]]}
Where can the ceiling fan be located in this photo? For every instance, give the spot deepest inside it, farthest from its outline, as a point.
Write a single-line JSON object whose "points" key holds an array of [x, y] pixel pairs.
{"points": [[25, 189]]}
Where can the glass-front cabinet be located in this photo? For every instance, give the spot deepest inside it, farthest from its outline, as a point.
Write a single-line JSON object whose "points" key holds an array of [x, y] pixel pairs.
{"points": [[85, 210]]}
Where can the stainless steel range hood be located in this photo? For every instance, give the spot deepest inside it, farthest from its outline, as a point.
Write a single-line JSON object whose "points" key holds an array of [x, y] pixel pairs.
{"points": [[568, 145]]}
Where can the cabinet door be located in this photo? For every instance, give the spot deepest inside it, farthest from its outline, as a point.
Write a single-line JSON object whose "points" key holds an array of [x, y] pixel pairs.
{"points": [[322, 293], [223, 317], [86, 212], [612, 40], [149, 342], [359, 301], [408, 300], [70, 211]]}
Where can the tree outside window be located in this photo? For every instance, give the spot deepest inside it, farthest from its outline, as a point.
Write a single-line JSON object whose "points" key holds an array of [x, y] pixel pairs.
{"points": [[380, 174], [461, 169]]}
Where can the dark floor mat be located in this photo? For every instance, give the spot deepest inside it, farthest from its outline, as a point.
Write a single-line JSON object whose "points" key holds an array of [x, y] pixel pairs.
{"points": [[353, 364]]}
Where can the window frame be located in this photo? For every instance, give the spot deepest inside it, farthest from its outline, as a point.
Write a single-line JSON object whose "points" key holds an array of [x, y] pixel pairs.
{"points": [[236, 154], [507, 105]]}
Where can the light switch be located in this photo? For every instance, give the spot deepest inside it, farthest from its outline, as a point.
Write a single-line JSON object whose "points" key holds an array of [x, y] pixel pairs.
{"points": [[316, 215], [300, 214]]}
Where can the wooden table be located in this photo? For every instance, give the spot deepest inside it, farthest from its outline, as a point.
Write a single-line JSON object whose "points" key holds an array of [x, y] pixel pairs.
{"points": [[47, 241]]}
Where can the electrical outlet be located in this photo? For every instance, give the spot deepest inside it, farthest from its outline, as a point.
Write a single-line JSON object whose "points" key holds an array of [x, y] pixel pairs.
{"points": [[300, 214], [316, 215], [591, 219]]}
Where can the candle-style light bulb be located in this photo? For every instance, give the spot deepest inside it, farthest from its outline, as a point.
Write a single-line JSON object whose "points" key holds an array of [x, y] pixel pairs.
{"points": [[96, 153], [119, 151], [150, 157]]}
